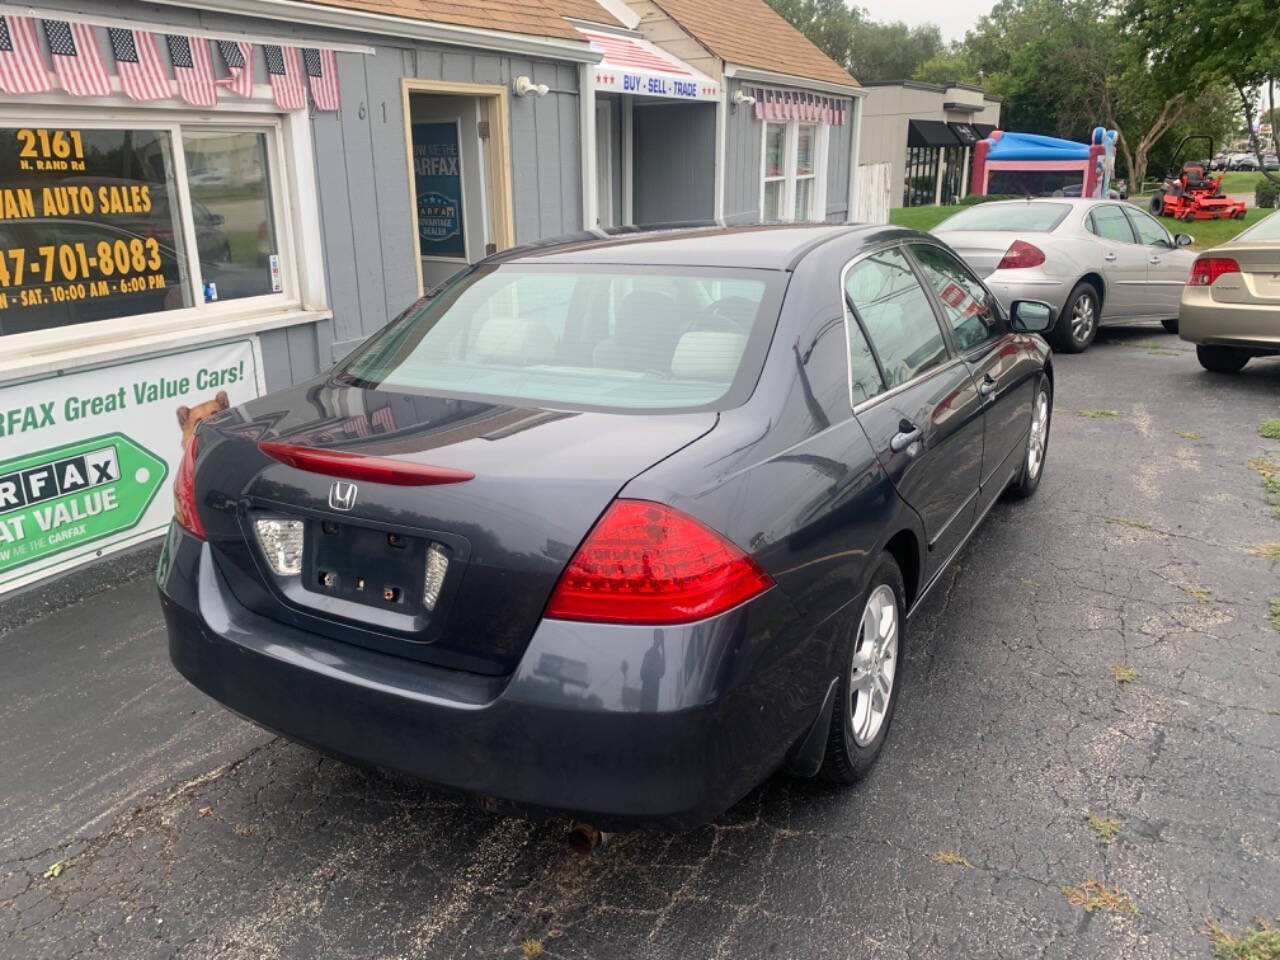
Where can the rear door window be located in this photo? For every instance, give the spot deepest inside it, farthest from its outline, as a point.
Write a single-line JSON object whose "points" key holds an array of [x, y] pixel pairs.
{"points": [[1108, 221], [896, 314], [972, 312], [1150, 233]]}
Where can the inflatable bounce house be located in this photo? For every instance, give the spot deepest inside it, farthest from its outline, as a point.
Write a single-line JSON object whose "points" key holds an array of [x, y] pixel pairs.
{"points": [[1026, 163]]}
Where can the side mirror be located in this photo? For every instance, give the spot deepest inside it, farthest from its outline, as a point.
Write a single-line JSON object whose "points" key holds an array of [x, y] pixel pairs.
{"points": [[1183, 239], [1031, 316]]}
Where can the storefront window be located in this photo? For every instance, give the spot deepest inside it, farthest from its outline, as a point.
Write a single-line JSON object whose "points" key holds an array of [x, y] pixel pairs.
{"points": [[88, 229], [94, 222], [792, 174], [775, 160], [231, 207], [806, 147]]}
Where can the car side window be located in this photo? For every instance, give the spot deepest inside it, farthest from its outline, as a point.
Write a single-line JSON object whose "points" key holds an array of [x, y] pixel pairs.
{"points": [[1150, 233], [896, 314], [865, 381], [1108, 221], [974, 316]]}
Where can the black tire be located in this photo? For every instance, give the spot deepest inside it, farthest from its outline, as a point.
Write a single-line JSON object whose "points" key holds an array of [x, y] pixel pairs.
{"points": [[1065, 337], [1157, 205], [1170, 326], [847, 760], [1222, 359], [1028, 480]]}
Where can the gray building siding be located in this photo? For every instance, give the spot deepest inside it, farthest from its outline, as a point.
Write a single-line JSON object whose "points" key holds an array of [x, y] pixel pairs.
{"points": [[674, 162], [742, 145]]}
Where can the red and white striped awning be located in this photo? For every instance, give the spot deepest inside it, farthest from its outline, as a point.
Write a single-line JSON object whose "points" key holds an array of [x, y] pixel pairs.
{"points": [[635, 66]]}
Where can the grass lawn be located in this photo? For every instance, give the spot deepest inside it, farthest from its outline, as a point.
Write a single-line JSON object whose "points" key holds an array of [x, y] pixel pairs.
{"points": [[1207, 233], [1240, 181]]}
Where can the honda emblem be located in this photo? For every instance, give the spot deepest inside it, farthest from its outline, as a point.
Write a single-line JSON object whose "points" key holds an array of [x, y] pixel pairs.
{"points": [[342, 495]]}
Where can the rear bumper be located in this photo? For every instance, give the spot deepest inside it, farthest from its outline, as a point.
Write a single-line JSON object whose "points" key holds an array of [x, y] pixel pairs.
{"points": [[593, 722], [1011, 285], [1204, 320]]}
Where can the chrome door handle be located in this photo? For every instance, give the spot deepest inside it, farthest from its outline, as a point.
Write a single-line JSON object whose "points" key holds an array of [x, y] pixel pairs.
{"points": [[987, 386], [1154, 261], [1110, 258], [908, 433]]}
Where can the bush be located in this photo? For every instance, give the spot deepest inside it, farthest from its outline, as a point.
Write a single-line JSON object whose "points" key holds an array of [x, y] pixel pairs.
{"points": [[1266, 194], [975, 198]]}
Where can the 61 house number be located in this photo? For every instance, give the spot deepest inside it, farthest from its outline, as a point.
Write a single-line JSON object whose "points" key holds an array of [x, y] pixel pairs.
{"points": [[41, 149]]}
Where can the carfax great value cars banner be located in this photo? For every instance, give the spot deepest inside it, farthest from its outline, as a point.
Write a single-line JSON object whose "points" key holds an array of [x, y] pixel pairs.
{"points": [[87, 458]]}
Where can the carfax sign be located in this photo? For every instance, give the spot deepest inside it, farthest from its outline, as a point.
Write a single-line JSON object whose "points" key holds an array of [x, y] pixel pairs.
{"points": [[89, 456], [437, 173]]}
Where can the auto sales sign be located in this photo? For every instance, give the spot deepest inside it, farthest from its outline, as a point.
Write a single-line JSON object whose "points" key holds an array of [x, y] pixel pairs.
{"points": [[87, 457]]}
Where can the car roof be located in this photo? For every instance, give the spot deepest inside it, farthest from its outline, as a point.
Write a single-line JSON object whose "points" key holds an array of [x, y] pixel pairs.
{"points": [[774, 246]]}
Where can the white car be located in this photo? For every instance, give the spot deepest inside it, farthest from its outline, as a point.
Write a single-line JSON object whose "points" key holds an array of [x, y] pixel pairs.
{"points": [[1094, 261]]}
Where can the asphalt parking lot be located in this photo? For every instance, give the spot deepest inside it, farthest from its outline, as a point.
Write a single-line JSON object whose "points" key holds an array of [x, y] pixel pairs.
{"points": [[1104, 650]]}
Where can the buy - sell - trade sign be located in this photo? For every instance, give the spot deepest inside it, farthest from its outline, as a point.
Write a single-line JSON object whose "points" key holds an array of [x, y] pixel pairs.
{"points": [[73, 495]]}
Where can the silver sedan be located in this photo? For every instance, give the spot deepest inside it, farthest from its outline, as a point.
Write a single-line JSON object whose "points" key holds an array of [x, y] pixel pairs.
{"points": [[1094, 261]]}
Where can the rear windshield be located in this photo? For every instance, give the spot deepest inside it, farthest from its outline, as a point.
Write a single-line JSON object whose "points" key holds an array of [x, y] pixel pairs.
{"points": [[1267, 229], [589, 337], [1020, 217]]}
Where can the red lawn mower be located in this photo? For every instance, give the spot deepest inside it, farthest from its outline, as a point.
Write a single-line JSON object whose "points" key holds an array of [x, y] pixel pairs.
{"points": [[1189, 193]]}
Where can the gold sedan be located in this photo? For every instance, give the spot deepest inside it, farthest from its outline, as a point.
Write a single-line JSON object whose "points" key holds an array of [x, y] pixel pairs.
{"points": [[1231, 304]]}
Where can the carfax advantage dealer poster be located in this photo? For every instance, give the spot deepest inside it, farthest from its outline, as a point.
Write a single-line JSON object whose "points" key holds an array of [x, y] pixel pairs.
{"points": [[87, 458]]}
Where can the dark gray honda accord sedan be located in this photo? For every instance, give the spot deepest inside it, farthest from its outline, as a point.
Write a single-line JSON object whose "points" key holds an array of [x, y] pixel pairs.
{"points": [[615, 526]]}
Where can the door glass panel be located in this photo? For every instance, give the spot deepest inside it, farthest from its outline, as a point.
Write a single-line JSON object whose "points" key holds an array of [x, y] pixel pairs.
{"points": [[804, 199], [805, 137], [772, 199], [1109, 222], [1150, 233], [896, 314], [775, 149], [864, 376], [972, 312], [231, 205]]}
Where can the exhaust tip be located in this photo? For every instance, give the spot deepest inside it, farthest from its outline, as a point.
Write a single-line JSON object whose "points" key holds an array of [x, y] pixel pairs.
{"points": [[584, 838]]}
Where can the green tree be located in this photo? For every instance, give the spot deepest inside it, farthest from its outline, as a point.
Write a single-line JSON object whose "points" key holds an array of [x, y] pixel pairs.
{"points": [[830, 24], [868, 50], [1208, 42], [892, 51]]}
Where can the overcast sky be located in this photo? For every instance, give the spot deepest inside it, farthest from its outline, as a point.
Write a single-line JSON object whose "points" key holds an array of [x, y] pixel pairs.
{"points": [[954, 17]]}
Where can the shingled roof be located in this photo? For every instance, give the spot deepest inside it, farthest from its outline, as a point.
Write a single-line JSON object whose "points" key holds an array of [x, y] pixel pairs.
{"points": [[752, 34], [541, 18]]}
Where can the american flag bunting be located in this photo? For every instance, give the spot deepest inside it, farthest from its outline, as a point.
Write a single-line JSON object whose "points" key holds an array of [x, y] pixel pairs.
{"points": [[192, 70], [22, 67], [138, 65], [322, 74], [782, 105], [238, 56], [77, 62], [284, 71]]}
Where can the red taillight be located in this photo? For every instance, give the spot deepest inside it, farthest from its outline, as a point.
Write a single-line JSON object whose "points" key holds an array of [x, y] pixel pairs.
{"points": [[184, 492], [1021, 254], [646, 563], [355, 466], [1208, 269]]}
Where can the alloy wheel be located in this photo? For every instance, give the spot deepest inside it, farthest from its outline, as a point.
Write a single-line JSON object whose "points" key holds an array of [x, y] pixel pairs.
{"points": [[875, 663], [1083, 317], [1039, 434]]}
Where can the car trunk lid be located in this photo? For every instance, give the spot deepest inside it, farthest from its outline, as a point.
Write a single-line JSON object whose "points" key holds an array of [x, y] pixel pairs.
{"points": [[981, 249], [525, 486], [1259, 276]]}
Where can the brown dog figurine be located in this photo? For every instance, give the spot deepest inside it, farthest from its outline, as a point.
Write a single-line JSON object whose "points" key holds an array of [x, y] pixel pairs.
{"points": [[189, 417]]}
